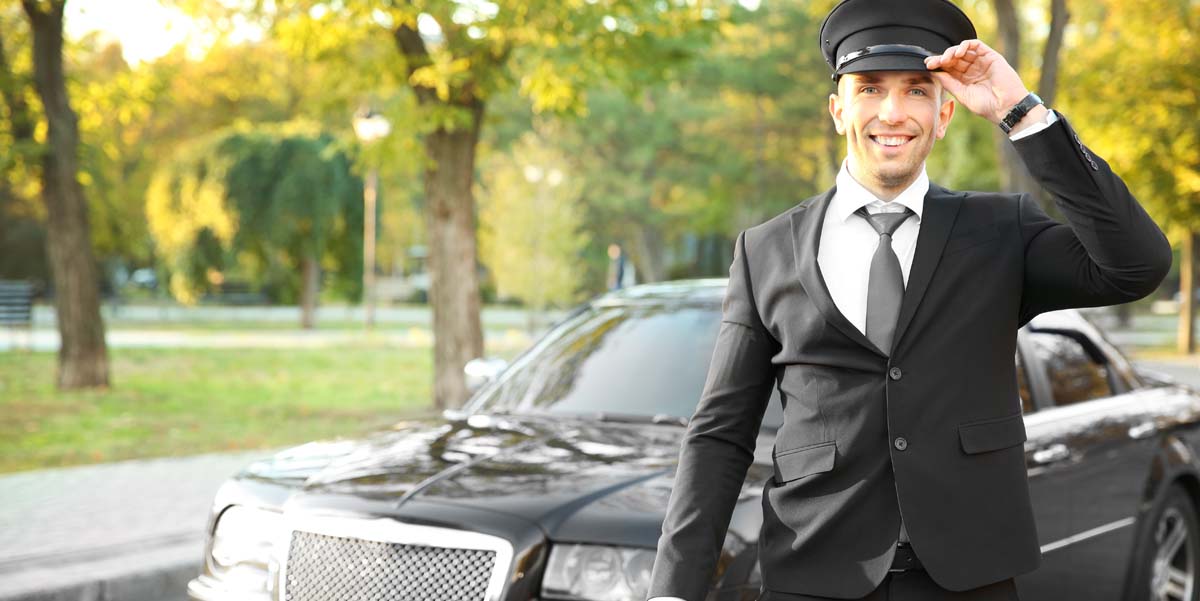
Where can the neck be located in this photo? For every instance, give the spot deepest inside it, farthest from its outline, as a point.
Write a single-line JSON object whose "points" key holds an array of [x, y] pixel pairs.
{"points": [[885, 191]]}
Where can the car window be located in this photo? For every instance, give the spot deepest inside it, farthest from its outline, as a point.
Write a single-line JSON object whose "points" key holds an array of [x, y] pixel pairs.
{"points": [[1074, 375], [623, 360]]}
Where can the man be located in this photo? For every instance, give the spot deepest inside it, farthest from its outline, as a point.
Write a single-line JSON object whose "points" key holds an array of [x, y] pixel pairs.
{"points": [[885, 312]]}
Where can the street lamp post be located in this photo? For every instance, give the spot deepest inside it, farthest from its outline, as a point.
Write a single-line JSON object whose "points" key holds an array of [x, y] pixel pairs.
{"points": [[369, 126]]}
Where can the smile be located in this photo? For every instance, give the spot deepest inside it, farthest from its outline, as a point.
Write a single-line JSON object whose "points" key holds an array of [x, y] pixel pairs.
{"points": [[891, 141]]}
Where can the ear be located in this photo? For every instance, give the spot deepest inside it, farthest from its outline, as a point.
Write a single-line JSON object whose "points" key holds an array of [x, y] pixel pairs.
{"points": [[945, 114], [835, 111]]}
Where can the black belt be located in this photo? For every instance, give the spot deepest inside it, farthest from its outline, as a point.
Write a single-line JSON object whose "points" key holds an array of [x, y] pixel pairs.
{"points": [[905, 559]]}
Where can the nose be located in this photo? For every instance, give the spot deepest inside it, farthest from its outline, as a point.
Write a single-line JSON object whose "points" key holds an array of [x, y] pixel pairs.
{"points": [[891, 109]]}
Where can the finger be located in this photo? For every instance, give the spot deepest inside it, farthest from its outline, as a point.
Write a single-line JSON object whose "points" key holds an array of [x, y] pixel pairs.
{"points": [[982, 47], [948, 53]]}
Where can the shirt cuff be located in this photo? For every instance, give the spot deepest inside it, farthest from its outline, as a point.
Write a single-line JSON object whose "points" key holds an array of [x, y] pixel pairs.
{"points": [[1047, 121]]}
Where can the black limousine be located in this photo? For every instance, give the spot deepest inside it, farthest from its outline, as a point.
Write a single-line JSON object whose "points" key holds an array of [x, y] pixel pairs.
{"points": [[553, 481]]}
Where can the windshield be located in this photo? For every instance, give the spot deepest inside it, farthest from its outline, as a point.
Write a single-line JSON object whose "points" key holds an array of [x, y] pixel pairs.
{"points": [[626, 361]]}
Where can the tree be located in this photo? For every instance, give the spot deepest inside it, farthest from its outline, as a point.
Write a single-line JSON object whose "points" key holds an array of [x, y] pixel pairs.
{"points": [[1134, 89], [1014, 176], [82, 355], [273, 201], [456, 56], [531, 224]]}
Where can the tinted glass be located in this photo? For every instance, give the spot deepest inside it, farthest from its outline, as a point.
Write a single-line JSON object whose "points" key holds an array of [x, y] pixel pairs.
{"points": [[623, 360], [1074, 376]]}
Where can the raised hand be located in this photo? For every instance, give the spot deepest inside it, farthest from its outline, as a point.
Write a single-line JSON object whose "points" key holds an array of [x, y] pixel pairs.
{"points": [[979, 77]]}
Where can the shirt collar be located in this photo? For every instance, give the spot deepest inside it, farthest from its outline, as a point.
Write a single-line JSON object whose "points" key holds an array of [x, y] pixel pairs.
{"points": [[851, 195]]}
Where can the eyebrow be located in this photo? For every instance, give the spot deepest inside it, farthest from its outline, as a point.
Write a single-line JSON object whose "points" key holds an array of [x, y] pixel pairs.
{"points": [[870, 78]]}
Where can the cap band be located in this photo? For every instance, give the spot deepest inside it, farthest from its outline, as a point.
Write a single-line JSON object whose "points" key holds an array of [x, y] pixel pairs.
{"points": [[879, 50]]}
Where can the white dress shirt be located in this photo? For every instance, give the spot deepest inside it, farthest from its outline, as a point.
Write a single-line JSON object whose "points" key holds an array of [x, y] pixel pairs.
{"points": [[848, 241]]}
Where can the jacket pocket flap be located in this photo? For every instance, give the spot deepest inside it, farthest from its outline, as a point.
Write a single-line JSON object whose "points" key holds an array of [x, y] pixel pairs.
{"points": [[805, 461], [992, 434]]}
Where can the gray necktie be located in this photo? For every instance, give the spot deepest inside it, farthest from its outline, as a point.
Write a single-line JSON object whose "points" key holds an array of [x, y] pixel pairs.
{"points": [[885, 288]]}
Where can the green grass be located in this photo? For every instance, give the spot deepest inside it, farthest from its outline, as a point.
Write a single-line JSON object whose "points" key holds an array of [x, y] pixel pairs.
{"points": [[168, 402]]}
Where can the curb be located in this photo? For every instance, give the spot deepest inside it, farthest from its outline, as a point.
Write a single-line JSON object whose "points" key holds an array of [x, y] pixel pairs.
{"points": [[147, 574]]}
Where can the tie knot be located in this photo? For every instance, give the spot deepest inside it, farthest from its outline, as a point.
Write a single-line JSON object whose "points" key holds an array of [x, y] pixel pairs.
{"points": [[884, 223]]}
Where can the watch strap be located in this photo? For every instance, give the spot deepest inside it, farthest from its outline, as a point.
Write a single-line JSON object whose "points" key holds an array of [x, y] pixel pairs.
{"points": [[1019, 111]]}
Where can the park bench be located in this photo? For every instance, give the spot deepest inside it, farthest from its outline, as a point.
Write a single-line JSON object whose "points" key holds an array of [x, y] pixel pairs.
{"points": [[16, 306]]}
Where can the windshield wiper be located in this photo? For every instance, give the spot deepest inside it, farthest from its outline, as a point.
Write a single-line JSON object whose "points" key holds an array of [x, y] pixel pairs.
{"points": [[637, 418]]}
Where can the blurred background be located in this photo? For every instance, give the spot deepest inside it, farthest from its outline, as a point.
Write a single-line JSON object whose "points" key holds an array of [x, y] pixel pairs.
{"points": [[239, 224]]}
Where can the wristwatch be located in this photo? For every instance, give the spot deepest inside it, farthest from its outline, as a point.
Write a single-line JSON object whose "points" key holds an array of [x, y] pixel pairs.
{"points": [[1023, 107]]}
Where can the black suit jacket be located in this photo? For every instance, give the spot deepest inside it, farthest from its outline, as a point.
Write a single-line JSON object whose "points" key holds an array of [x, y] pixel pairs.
{"points": [[985, 264]]}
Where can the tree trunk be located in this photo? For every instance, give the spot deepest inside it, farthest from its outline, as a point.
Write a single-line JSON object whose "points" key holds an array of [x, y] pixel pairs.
{"points": [[82, 355], [1048, 82], [1014, 177], [310, 287], [649, 258], [454, 281], [1187, 293]]}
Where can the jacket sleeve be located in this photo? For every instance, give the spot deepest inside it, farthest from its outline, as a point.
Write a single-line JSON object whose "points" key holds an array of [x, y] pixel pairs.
{"points": [[718, 446], [1111, 252]]}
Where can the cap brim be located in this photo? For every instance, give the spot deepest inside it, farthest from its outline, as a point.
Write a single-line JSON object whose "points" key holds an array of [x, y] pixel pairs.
{"points": [[890, 62]]}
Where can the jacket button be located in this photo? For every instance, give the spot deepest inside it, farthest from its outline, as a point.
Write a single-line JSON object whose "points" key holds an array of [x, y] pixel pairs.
{"points": [[900, 443], [895, 373]]}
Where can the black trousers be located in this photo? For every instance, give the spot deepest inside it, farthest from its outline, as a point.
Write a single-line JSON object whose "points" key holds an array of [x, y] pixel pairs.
{"points": [[913, 585]]}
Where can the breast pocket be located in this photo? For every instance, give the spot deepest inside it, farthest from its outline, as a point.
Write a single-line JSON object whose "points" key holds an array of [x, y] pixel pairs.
{"points": [[812, 459], [976, 237], [992, 434]]}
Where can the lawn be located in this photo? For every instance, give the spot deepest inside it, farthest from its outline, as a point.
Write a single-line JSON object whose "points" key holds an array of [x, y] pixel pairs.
{"points": [[167, 402]]}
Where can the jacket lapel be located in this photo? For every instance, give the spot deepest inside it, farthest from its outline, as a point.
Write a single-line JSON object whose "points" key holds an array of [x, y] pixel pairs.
{"points": [[941, 207], [806, 236]]}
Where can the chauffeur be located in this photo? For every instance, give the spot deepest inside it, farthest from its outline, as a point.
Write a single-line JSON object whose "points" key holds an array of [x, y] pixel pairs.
{"points": [[885, 311]]}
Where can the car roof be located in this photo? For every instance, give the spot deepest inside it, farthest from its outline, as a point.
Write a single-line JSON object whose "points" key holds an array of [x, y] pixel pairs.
{"points": [[711, 291], [704, 291]]}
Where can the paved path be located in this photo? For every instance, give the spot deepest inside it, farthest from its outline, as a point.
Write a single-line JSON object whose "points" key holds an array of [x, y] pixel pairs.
{"points": [[103, 532]]}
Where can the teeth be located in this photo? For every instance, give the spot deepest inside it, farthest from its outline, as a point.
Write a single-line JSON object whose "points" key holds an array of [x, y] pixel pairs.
{"points": [[891, 140]]}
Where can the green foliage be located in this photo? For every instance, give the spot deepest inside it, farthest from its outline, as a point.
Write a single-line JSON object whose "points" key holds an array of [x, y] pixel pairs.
{"points": [[1133, 86], [531, 227], [262, 199]]}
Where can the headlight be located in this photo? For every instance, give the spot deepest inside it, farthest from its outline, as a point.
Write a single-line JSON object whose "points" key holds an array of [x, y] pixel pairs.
{"points": [[244, 545], [598, 573]]}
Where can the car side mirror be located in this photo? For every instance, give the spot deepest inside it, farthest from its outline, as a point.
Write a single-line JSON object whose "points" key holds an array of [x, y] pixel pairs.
{"points": [[481, 370]]}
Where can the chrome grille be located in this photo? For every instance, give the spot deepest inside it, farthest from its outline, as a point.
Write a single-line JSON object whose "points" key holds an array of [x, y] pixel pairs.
{"points": [[343, 559]]}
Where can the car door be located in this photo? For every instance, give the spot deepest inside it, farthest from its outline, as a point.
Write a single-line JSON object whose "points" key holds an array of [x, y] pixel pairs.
{"points": [[1049, 491], [1095, 443]]}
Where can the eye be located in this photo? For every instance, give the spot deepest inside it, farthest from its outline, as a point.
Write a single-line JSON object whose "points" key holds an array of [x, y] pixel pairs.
{"points": [[919, 92], [868, 90]]}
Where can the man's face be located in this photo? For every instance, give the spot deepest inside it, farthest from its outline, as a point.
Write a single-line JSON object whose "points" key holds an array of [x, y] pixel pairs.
{"points": [[890, 120]]}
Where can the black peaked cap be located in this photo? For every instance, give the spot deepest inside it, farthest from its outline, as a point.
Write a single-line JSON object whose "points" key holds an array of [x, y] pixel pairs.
{"points": [[890, 35]]}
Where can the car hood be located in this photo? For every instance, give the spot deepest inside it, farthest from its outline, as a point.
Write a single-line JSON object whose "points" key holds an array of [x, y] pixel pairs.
{"points": [[574, 478]]}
